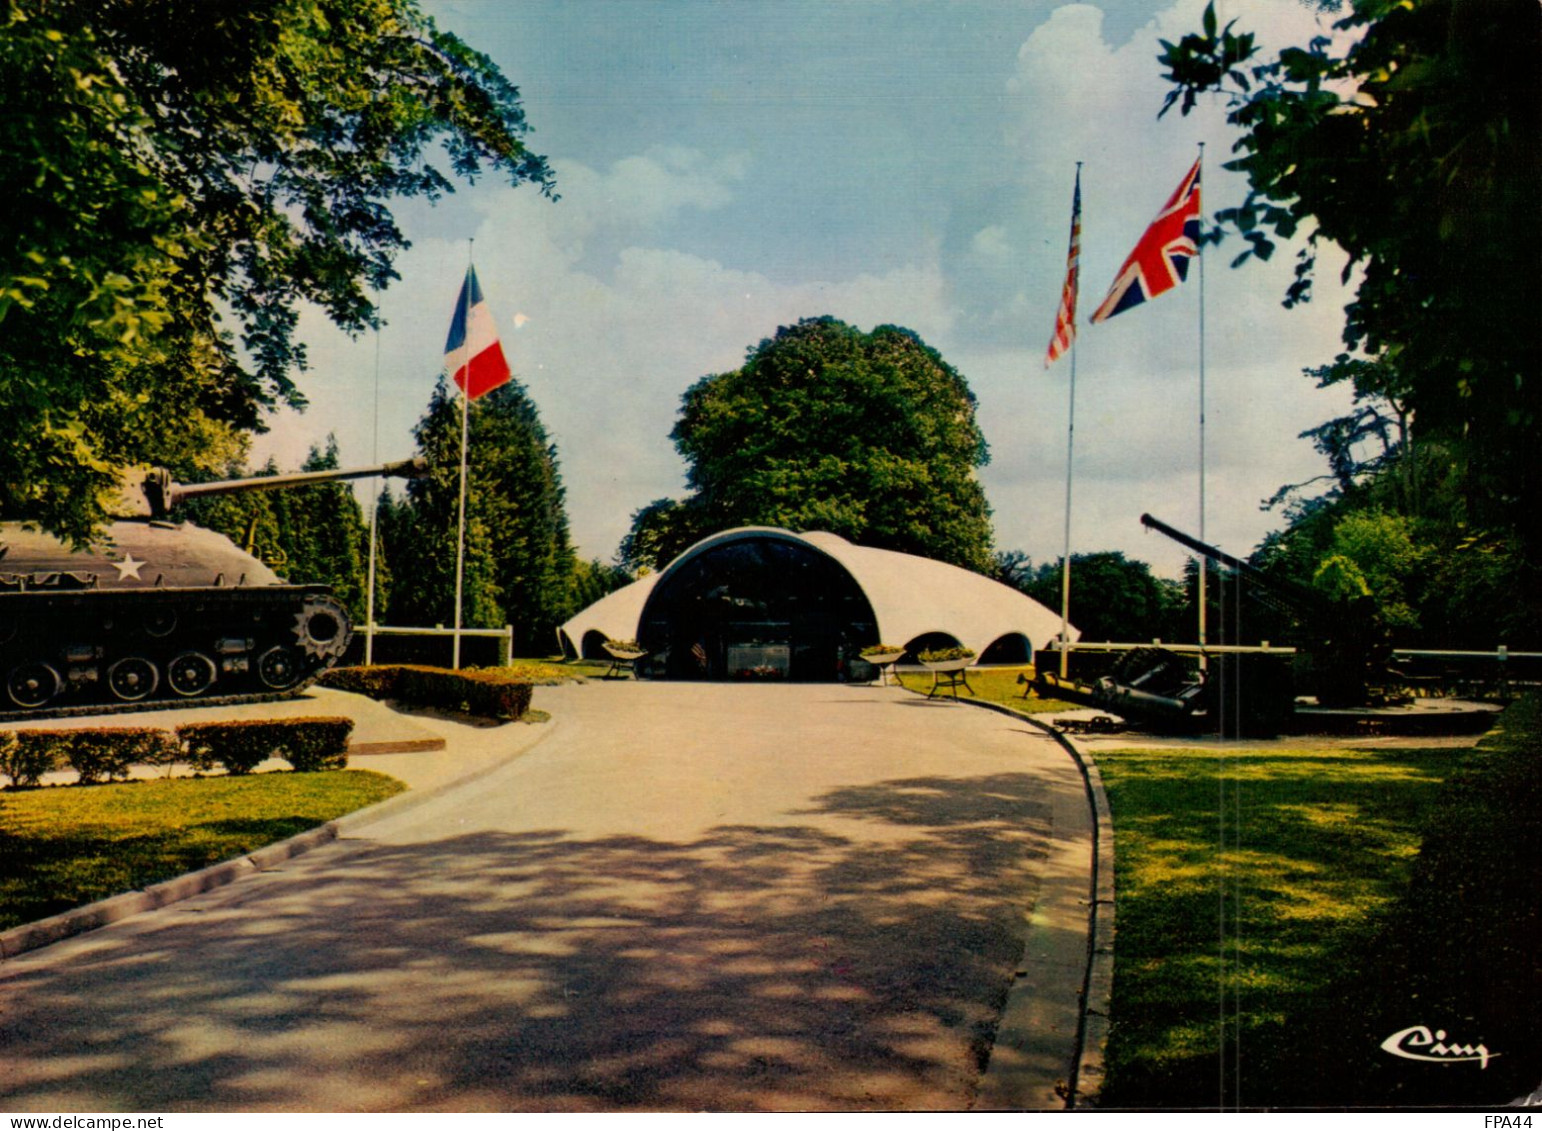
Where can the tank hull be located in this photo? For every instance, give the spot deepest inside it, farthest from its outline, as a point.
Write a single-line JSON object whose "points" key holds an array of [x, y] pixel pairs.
{"points": [[97, 651]]}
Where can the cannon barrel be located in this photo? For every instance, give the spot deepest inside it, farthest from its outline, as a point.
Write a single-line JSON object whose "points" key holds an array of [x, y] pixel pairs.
{"points": [[162, 493], [1303, 599]]}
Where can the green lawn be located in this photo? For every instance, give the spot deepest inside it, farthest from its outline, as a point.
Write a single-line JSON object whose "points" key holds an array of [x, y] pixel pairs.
{"points": [[548, 672], [1281, 911], [1242, 879], [64, 846], [994, 685], [1284, 909]]}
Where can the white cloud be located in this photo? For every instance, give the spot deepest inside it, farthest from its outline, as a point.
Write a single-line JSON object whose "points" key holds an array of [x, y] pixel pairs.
{"points": [[646, 189], [630, 299], [992, 242], [605, 355]]}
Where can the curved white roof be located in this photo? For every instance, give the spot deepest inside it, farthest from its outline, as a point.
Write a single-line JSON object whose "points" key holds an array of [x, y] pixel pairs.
{"points": [[615, 615], [910, 596]]}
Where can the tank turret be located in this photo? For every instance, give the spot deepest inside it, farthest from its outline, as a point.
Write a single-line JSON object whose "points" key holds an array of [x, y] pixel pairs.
{"points": [[160, 613]]}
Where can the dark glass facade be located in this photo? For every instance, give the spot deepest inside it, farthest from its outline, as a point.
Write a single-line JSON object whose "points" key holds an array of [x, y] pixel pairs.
{"points": [[759, 608]]}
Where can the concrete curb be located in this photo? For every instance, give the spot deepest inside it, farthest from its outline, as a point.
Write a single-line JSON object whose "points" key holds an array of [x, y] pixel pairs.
{"points": [[1097, 981], [78, 920], [1098, 990]]}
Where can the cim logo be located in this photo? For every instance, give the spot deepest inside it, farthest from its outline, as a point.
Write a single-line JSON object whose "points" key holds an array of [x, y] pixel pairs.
{"points": [[1418, 1043]]}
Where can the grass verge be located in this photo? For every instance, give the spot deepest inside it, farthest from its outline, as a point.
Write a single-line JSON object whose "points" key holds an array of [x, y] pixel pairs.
{"points": [[1283, 911], [65, 846], [994, 685]]}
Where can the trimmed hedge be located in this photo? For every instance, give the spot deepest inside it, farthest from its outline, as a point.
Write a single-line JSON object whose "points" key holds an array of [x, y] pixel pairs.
{"points": [[106, 754], [486, 692], [307, 744], [95, 753]]}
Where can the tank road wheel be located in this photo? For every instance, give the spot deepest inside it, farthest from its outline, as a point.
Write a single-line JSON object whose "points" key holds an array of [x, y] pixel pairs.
{"points": [[190, 674], [32, 685], [132, 678], [279, 668], [160, 622], [321, 628]]}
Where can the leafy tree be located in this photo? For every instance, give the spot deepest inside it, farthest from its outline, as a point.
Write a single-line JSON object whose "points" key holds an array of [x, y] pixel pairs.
{"points": [[869, 436], [660, 531], [1414, 148], [593, 579], [1012, 567], [1378, 556], [1429, 579], [168, 166], [325, 533], [519, 562], [1112, 597]]}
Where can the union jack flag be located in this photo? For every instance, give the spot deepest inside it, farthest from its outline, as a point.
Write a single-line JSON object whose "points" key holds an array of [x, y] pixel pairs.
{"points": [[1160, 260], [1065, 319]]}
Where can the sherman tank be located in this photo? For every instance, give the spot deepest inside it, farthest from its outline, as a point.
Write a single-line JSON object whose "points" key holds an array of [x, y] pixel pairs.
{"points": [[161, 613]]}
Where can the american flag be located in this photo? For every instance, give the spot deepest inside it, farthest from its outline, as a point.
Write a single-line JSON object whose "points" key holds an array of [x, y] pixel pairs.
{"points": [[1065, 320], [1160, 260]]}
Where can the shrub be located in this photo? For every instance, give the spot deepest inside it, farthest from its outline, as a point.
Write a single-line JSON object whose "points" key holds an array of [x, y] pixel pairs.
{"points": [[107, 754], [321, 745], [487, 692], [24, 762], [306, 744], [377, 681], [880, 649]]}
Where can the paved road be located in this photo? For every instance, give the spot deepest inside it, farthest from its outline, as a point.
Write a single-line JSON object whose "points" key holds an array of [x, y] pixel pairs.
{"points": [[684, 897]]}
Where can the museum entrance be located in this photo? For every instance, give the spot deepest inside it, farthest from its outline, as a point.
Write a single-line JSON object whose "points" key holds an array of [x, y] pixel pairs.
{"points": [[756, 609]]}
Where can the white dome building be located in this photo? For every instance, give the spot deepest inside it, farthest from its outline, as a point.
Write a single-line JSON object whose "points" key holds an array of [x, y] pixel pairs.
{"points": [[802, 606]]}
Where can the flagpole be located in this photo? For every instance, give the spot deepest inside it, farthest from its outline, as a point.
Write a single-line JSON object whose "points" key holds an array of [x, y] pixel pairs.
{"points": [[1070, 445], [374, 519], [1065, 560], [465, 428], [1200, 255]]}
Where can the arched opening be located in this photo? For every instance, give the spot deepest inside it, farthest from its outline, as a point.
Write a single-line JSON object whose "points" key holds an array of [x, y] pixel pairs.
{"points": [[928, 642], [1012, 648], [756, 608], [594, 645]]}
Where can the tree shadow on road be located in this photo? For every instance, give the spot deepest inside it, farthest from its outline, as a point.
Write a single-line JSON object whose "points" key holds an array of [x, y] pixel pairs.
{"points": [[855, 960]]}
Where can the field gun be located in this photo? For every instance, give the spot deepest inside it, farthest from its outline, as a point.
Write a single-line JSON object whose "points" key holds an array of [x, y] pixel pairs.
{"points": [[1342, 647], [1236, 690]]}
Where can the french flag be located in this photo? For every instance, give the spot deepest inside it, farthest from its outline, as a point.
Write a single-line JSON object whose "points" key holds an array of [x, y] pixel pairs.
{"points": [[472, 353]]}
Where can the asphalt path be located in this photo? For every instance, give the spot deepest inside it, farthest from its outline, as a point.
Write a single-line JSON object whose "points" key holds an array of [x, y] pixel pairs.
{"points": [[683, 897]]}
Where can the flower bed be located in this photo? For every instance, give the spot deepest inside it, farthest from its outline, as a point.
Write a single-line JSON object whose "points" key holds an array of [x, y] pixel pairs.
{"points": [[947, 659]]}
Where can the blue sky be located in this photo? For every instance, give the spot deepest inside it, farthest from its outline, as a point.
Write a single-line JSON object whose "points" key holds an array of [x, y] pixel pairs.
{"points": [[728, 168]]}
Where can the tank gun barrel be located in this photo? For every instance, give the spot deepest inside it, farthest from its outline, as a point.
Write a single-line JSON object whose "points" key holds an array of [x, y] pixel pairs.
{"points": [[162, 493]]}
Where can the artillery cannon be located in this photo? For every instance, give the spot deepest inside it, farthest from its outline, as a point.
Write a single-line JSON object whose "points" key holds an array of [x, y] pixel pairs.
{"points": [[158, 613], [1238, 691], [1343, 648]]}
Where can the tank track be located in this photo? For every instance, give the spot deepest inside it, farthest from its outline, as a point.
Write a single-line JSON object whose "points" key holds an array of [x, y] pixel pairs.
{"points": [[92, 652]]}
